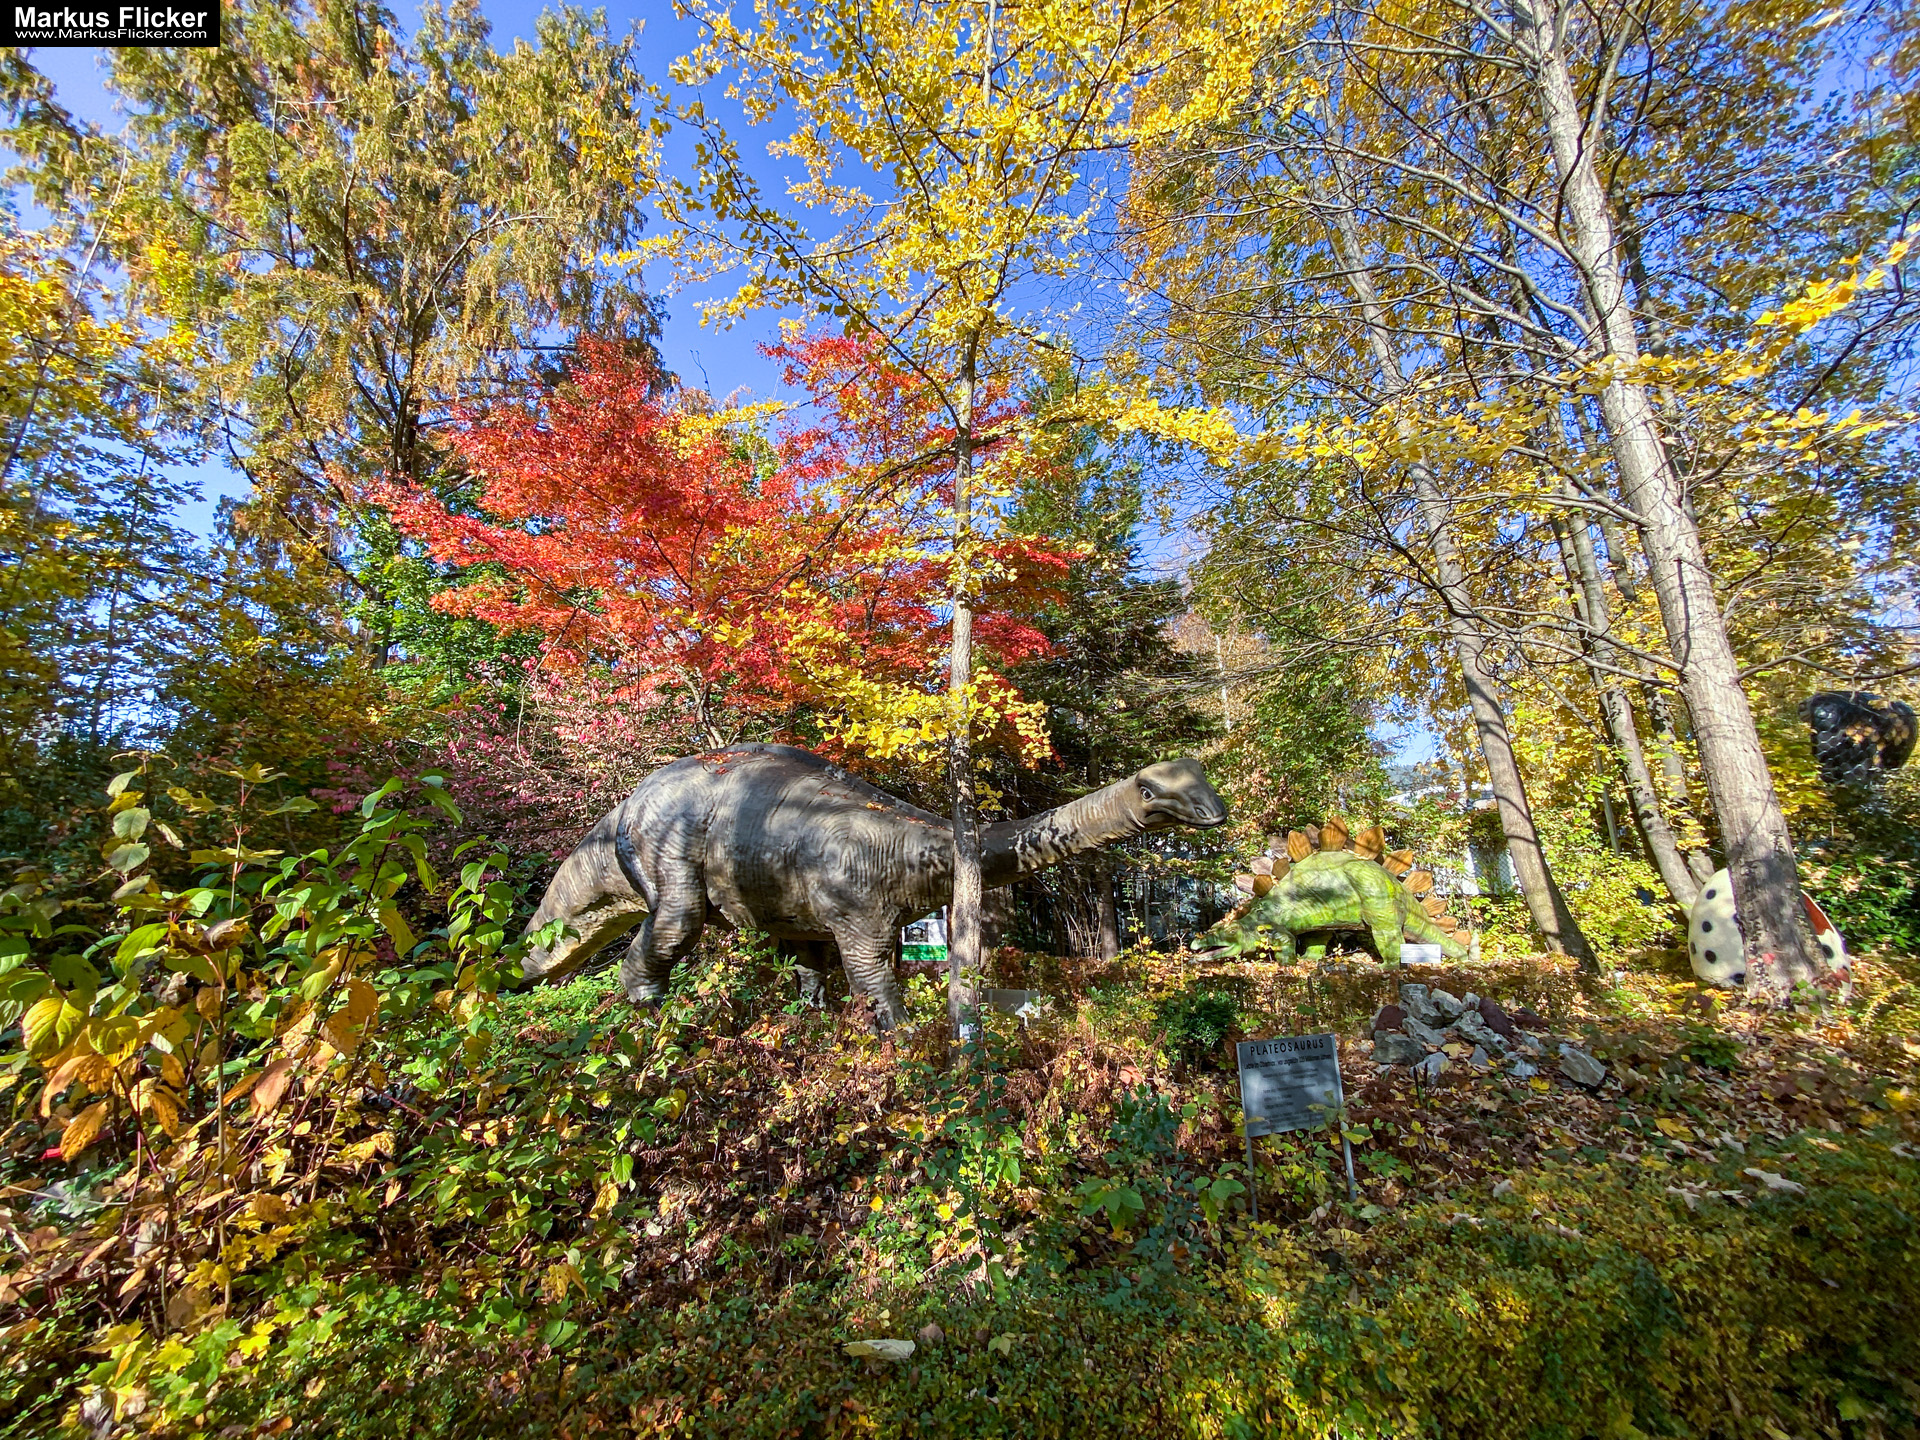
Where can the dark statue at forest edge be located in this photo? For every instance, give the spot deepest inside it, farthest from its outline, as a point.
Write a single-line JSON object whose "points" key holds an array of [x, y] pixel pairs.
{"points": [[774, 838]]}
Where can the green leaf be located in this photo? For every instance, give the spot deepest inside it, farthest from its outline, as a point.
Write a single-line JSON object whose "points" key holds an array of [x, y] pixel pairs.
{"points": [[131, 824], [298, 805], [75, 973], [143, 941], [126, 858], [372, 802], [49, 1025], [396, 925], [197, 966], [121, 781]]}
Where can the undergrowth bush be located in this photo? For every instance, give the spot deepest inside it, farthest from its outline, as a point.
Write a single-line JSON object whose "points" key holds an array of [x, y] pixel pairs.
{"points": [[282, 1154], [1198, 1020], [1587, 1302]]}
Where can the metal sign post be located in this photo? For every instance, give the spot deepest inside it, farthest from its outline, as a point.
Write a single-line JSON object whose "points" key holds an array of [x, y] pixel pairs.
{"points": [[1291, 1082]]}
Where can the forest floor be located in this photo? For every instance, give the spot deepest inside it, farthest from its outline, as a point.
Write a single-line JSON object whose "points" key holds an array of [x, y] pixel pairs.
{"points": [[1720, 1238]]}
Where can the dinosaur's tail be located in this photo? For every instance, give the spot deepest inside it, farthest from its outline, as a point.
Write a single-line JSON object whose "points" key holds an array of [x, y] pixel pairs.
{"points": [[1420, 925], [593, 898]]}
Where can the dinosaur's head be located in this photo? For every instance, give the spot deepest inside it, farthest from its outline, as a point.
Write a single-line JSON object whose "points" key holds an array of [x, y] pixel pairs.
{"points": [[1238, 936], [1176, 792]]}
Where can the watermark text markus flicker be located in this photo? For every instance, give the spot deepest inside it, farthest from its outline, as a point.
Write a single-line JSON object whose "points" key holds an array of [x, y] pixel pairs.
{"points": [[195, 23]]}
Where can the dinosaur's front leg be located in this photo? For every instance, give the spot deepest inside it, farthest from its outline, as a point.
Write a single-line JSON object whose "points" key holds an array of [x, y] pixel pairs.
{"points": [[868, 958], [663, 938]]}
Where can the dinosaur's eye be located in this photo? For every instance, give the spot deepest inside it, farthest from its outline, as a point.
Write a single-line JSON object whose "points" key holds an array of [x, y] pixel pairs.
{"points": [[1146, 791]]}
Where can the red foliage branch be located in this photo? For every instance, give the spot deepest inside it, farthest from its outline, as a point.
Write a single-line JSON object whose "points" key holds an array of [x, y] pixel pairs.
{"points": [[704, 568]]}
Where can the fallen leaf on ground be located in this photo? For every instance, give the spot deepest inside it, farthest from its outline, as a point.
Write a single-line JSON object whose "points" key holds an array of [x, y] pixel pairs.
{"points": [[880, 1349]]}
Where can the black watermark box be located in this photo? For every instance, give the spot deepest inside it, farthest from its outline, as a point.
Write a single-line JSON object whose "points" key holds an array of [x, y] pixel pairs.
{"points": [[77, 24]]}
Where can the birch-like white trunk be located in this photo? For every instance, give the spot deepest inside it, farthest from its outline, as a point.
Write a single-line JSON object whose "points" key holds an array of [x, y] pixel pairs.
{"points": [[1766, 885], [1596, 618]]}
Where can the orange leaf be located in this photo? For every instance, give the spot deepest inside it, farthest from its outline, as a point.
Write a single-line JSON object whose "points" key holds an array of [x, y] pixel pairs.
{"points": [[272, 1087]]}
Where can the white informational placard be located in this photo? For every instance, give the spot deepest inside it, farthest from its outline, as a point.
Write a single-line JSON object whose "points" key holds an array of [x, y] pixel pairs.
{"points": [[1411, 954], [1291, 1082]]}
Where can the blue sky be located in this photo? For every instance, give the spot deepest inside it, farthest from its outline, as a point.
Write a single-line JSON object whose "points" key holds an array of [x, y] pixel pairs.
{"points": [[720, 361], [715, 360]]}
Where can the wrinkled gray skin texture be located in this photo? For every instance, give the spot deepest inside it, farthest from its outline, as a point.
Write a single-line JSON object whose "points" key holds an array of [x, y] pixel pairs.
{"points": [[773, 838]]}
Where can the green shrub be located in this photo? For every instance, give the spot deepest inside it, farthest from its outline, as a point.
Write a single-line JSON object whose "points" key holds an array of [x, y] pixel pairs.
{"points": [[1872, 898], [1197, 1020], [1590, 1301]]}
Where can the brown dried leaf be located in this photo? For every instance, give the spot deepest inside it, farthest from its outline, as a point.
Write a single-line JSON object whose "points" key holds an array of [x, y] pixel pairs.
{"points": [[272, 1087]]}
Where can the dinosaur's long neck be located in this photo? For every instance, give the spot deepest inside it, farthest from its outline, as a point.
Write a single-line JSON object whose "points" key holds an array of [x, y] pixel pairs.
{"points": [[1014, 848]]}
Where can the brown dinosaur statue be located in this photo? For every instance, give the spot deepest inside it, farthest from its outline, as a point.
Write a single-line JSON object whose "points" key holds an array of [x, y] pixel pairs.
{"points": [[774, 838]]}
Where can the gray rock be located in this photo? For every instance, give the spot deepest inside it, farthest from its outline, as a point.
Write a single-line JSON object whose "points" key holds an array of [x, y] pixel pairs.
{"points": [[1425, 1034], [1471, 1028], [1448, 1007], [1470, 1001], [1392, 1049], [1580, 1067], [1430, 1068], [1521, 1070], [1498, 1020], [1417, 1003], [1479, 1057]]}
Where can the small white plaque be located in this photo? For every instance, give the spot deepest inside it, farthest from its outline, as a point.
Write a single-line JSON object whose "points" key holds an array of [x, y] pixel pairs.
{"points": [[1291, 1082], [1411, 954]]}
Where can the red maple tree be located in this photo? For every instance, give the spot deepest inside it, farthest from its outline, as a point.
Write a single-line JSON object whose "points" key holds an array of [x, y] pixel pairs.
{"points": [[708, 570]]}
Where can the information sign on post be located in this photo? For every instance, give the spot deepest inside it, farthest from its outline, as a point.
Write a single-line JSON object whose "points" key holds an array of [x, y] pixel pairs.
{"points": [[1291, 1082]]}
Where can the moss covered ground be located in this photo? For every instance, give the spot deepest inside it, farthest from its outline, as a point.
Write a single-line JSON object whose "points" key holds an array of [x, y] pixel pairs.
{"points": [[676, 1227]]}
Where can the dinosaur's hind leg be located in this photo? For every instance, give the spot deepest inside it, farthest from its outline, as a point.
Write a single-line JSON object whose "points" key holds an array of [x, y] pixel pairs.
{"points": [[868, 958], [663, 938], [1382, 917]]}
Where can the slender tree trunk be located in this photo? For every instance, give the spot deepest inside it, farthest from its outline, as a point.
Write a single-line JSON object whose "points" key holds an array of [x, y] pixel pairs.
{"points": [[1109, 940], [1760, 857], [1545, 903], [1596, 618], [963, 913], [1673, 773]]}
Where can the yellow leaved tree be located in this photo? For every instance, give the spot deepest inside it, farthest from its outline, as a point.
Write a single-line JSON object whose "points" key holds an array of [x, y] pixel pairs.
{"points": [[953, 166]]}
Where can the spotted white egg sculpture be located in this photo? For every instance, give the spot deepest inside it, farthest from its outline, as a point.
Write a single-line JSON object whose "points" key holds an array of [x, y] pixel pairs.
{"points": [[1716, 949]]}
